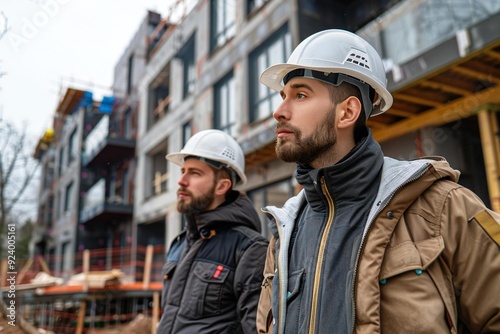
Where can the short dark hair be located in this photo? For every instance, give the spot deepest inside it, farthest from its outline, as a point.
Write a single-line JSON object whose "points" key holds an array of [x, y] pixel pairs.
{"points": [[342, 92]]}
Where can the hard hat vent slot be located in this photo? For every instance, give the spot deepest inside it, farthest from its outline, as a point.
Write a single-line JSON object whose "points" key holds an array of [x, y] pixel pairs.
{"points": [[358, 58], [228, 152]]}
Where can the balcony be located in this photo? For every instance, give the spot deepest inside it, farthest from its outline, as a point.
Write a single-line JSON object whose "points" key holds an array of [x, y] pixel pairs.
{"points": [[97, 206], [105, 145]]}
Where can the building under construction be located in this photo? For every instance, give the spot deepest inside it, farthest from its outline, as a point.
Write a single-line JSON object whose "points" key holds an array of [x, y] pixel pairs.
{"points": [[106, 186]]}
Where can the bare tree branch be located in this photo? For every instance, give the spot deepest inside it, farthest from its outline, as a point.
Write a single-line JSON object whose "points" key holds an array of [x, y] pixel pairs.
{"points": [[5, 27], [17, 171]]}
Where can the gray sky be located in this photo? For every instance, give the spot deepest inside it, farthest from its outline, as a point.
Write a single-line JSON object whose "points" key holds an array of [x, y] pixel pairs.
{"points": [[51, 44]]}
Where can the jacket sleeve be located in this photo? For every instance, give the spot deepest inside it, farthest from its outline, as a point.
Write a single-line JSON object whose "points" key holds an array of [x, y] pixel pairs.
{"points": [[472, 237], [264, 311], [248, 278]]}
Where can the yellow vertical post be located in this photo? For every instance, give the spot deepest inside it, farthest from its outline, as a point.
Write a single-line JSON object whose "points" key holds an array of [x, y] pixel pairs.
{"points": [[86, 268], [156, 311], [496, 139], [489, 154], [147, 267], [3, 273], [81, 317]]}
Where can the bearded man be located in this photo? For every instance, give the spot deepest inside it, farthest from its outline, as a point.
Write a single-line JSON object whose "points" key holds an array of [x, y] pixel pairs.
{"points": [[214, 268]]}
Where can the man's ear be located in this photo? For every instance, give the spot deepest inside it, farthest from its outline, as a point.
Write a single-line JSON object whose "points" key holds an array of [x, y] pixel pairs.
{"points": [[349, 112], [222, 187]]}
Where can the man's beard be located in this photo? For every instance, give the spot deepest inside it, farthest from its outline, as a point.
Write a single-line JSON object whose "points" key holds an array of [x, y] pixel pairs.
{"points": [[306, 150], [198, 203]]}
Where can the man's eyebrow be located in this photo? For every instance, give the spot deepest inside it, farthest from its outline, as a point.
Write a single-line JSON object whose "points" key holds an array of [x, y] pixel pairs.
{"points": [[192, 169], [300, 85]]}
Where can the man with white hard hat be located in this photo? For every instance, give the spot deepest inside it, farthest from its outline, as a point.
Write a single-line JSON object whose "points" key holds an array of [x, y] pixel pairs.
{"points": [[371, 244], [214, 268]]}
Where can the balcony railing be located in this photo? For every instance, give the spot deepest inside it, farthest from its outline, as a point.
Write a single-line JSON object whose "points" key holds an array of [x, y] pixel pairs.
{"points": [[97, 205], [105, 144]]}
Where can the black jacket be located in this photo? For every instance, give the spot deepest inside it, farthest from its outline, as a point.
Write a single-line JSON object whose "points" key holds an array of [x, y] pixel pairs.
{"points": [[213, 272]]}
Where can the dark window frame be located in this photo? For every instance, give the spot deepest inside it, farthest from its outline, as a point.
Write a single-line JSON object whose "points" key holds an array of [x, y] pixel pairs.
{"points": [[187, 55], [225, 82], [219, 13], [254, 72]]}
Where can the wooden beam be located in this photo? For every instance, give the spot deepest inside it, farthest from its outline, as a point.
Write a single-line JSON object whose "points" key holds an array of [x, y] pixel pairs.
{"points": [[147, 267], [417, 100], [81, 317], [493, 54], [458, 109], [445, 87], [400, 113], [376, 125], [3, 272], [24, 270], [156, 311], [476, 75], [489, 153], [43, 264], [86, 269]]}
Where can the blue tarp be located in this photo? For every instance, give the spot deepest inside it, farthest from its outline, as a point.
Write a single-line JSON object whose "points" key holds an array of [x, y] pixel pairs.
{"points": [[106, 106]]}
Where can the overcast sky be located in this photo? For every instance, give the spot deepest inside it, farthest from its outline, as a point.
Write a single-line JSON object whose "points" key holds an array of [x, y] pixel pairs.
{"points": [[53, 43]]}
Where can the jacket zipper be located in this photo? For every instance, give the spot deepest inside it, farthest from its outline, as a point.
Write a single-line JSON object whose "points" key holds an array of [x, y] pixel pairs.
{"points": [[321, 252], [382, 206]]}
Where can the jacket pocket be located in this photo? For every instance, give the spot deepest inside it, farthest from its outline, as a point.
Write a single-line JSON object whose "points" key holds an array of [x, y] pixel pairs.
{"points": [[294, 301], [410, 299], [210, 289], [167, 273], [410, 255], [294, 285]]}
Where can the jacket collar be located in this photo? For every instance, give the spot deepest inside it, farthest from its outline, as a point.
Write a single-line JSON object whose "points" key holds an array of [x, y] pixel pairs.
{"points": [[236, 210], [349, 179]]}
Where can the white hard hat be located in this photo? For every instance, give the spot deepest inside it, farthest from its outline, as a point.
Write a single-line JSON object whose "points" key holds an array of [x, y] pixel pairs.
{"points": [[336, 51], [214, 147]]}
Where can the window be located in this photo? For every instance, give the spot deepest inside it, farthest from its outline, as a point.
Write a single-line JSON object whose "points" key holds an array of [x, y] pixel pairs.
{"points": [[275, 50], [272, 194], [61, 161], [187, 132], [68, 197], [225, 105], [72, 147], [125, 185], [58, 200], [48, 170], [253, 5], [128, 124], [49, 214], [223, 22], [66, 257], [159, 172], [159, 96], [130, 74], [186, 55]]}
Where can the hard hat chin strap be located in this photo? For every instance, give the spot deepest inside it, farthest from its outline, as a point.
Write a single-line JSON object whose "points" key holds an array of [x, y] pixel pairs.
{"points": [[335, 79]]}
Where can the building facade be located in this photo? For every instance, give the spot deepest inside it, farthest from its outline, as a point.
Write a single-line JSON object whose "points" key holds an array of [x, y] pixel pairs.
{"points": [[205, 74], [88, 171], [202, 71]]}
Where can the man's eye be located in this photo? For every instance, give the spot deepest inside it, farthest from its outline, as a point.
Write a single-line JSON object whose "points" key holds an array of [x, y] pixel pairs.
{"points": [[300, 96]]}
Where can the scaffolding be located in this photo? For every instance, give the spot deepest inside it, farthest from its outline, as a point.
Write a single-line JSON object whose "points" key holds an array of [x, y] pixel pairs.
{"points": [[95, 300]]}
